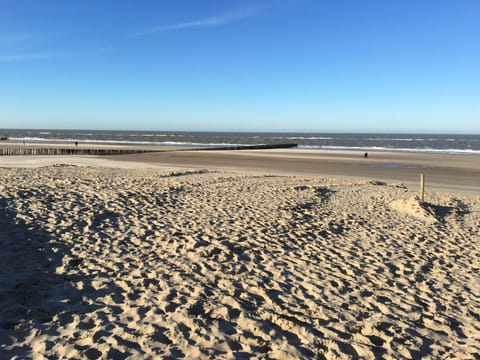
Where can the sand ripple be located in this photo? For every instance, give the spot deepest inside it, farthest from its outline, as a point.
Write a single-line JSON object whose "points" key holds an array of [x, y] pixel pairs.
{"points": [[118, 264]]}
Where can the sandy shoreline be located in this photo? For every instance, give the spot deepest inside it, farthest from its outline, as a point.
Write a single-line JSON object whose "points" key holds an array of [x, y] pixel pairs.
{"points": [[444, 172], [139, 262], [454, 173]]}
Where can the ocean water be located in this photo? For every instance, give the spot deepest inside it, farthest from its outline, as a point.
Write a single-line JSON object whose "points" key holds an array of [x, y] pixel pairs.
{"points": [[444, 143]]}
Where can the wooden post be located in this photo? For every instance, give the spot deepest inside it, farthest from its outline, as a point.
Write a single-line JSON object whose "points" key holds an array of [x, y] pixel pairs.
{"points": [[422, 187]]}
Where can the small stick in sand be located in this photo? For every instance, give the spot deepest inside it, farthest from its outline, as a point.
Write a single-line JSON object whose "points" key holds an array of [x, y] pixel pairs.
{"points": [[422, 187]]}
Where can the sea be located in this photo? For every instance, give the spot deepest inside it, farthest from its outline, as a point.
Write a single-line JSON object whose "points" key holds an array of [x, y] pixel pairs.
{"points": [[433, 143]]}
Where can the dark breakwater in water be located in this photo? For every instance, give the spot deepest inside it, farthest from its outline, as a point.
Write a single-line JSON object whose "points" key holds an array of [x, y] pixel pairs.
{"points": [[18, 151], [26, 151]]}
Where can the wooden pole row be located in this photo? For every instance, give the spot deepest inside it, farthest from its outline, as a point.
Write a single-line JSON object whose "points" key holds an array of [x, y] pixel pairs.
{"points": [[12, 151]]}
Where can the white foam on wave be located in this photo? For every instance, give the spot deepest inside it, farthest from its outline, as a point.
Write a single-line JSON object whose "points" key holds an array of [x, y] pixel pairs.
{"points": [[126, 142], [310, 138], [393, 139], [380, 148]]}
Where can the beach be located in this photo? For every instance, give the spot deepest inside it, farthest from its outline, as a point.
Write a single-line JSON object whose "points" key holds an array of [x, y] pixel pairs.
{"points": [[444, 172], [254, 254]]}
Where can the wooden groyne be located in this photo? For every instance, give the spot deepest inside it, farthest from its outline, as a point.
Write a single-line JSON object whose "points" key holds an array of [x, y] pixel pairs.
{"points": [[32, 151], [263, 147], [27, 151], [249, 147]]}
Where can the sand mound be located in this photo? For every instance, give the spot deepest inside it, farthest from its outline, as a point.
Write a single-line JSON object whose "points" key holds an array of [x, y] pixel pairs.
{"points": [[414, 207]]}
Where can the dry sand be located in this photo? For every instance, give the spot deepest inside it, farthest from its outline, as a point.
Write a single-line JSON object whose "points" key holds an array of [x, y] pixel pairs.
{"points": [[146, 263]]}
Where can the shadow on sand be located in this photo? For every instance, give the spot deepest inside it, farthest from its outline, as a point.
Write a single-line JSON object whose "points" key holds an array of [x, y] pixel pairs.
{"points": [[32, 294]]}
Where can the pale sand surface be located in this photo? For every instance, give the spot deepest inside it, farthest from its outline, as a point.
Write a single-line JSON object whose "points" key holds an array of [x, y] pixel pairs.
{"points": [[145, 263]]}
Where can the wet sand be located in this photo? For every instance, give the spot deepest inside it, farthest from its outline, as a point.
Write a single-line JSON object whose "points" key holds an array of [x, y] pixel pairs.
{"points": [[454, 173]]}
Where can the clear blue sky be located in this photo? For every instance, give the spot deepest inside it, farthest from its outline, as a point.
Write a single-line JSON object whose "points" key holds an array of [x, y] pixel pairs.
{"points": [[275, 65]]}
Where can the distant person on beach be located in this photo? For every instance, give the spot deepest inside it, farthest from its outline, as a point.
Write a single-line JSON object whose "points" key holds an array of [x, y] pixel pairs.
{"points": [[365, 155], [76, 143]]}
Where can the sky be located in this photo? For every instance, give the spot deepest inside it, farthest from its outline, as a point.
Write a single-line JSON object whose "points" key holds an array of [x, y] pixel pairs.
{"points": [[273, 65]]}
